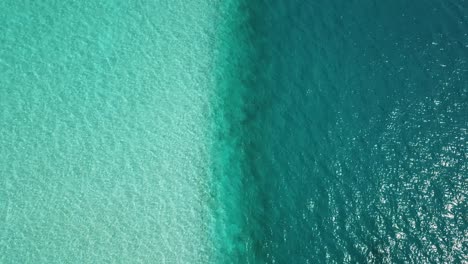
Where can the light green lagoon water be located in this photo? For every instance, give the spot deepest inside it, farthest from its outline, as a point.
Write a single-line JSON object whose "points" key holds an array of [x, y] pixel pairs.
{"points": [[109, 115]]}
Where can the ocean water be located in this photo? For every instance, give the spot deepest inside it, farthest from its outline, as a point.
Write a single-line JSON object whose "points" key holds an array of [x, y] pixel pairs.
{"points": [[232, 131], [107, 114], [355, 132]]}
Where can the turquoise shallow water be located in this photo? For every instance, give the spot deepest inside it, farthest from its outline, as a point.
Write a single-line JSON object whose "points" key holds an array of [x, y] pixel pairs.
{"points": [[234, 132], [107, 115]]}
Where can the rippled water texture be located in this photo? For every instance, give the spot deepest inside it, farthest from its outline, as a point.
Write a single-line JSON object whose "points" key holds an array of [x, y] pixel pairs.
{"points": [[106, 130], [200, 131], [356, 132]]}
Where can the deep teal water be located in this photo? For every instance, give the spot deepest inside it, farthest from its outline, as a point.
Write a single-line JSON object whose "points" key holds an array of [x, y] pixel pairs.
{"points": [[355, 132]]}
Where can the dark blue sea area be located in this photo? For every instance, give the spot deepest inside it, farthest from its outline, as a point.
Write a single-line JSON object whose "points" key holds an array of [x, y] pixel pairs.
{"points": [[355, 132]]}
